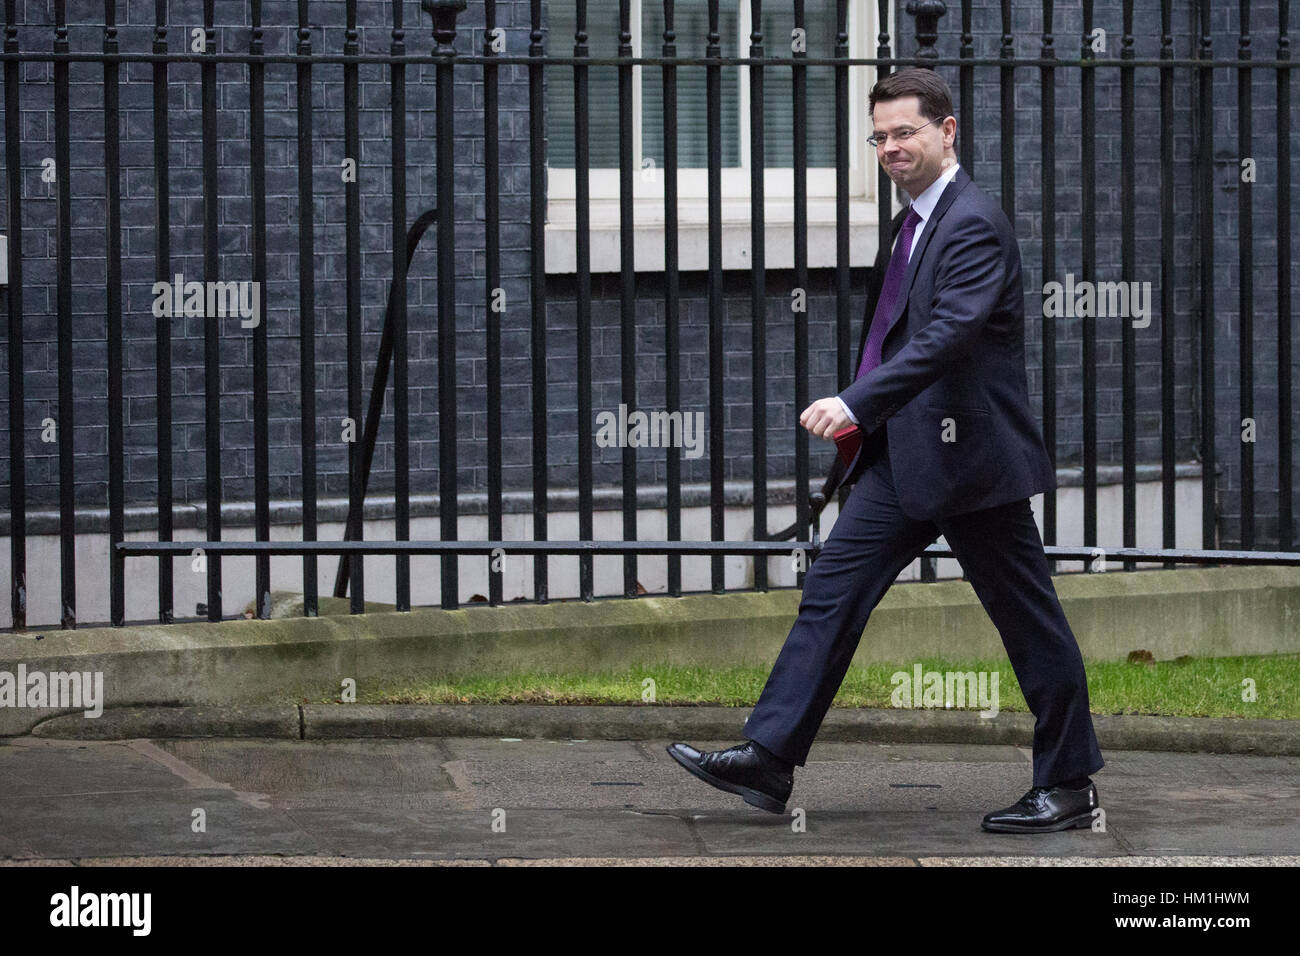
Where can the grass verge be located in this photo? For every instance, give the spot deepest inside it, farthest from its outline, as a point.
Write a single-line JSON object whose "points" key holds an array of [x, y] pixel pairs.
{"points": [[1187, 687]]}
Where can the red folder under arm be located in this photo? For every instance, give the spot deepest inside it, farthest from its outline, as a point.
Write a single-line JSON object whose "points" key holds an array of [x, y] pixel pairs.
{"points": [[848, 441]]}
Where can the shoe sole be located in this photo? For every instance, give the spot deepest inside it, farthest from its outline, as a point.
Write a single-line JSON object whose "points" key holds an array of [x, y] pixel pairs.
{"points": [[1075, 822], [755, 798]]}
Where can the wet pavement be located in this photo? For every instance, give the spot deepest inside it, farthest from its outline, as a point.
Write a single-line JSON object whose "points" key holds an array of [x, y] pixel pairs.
{"points": [[507, 801]]}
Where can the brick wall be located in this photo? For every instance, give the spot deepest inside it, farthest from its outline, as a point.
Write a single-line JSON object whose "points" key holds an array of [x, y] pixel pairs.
{"points": [[135, 33]]}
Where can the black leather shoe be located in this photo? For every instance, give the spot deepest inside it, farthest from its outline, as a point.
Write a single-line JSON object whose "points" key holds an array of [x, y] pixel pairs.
{"points": [[740, 769], [1045, 810]]}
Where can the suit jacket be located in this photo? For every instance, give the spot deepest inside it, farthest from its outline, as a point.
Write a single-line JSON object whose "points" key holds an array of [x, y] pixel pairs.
{"points": [[952, 381]]}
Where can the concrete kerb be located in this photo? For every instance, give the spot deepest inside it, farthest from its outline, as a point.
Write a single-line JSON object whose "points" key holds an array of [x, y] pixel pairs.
{"points": [[282, 722], [281, 663], [657, 722], [291, 659], [235, 662]]}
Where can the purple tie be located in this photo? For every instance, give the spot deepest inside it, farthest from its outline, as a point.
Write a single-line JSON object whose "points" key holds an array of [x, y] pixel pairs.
{"points": [[889, 293]]}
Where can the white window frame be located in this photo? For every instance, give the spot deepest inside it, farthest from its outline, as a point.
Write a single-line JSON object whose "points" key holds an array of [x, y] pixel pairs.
{"points": [[692, 186]]}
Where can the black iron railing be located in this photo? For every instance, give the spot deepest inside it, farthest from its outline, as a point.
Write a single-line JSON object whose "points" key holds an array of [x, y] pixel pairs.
{"points": [[1054, 69]]}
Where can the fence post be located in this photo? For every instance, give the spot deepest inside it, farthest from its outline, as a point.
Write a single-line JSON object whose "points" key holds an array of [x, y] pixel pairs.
{"points": [[444, 13], [11, 298], [926, 13]]}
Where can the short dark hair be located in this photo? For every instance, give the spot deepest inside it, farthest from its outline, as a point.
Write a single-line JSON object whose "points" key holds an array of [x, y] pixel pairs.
{"points": [[928, 86]]}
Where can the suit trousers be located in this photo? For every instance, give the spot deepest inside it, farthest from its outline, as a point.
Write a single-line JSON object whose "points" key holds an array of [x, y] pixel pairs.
{"points": [[870, 544]]}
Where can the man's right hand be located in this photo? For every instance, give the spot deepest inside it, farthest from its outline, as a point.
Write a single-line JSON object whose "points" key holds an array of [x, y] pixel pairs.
{"points": [[824, 418]]}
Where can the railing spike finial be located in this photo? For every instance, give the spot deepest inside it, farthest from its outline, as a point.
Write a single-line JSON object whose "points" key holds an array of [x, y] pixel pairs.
{"points": [[927, 14], [444, 13]]}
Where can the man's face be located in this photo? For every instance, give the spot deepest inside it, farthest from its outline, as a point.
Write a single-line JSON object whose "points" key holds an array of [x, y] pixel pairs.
{"points": [[916, 162]]}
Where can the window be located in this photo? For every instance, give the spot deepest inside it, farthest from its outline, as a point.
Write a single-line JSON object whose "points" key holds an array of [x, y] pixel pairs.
{"points": [[691, 27]]}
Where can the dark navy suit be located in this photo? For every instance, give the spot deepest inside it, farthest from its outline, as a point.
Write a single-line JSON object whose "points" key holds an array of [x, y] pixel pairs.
{"points": [[960, 456]]}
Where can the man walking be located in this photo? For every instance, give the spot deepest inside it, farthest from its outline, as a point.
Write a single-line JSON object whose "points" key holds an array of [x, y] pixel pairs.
{"points": [[949, 447]]}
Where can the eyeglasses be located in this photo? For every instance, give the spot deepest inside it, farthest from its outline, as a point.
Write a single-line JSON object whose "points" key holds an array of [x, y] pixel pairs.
{"points": [[876, 140]]}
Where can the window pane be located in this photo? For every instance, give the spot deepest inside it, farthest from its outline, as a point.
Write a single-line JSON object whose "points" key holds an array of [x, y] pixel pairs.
{"points": [[778, 86], [602, 84], [691, 24], [691, 27]]}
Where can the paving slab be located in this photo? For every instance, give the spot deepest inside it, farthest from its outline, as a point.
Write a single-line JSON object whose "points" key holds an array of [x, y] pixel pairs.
{"points": [[159, 822], [510, 801], [886, 833]]}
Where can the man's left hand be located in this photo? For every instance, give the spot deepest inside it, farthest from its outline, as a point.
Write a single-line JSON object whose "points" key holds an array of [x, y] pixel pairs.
{"points": [[824, 418]]}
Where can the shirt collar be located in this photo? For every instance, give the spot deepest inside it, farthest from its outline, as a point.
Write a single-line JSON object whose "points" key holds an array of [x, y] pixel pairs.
{"points": [[924, 204]]}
